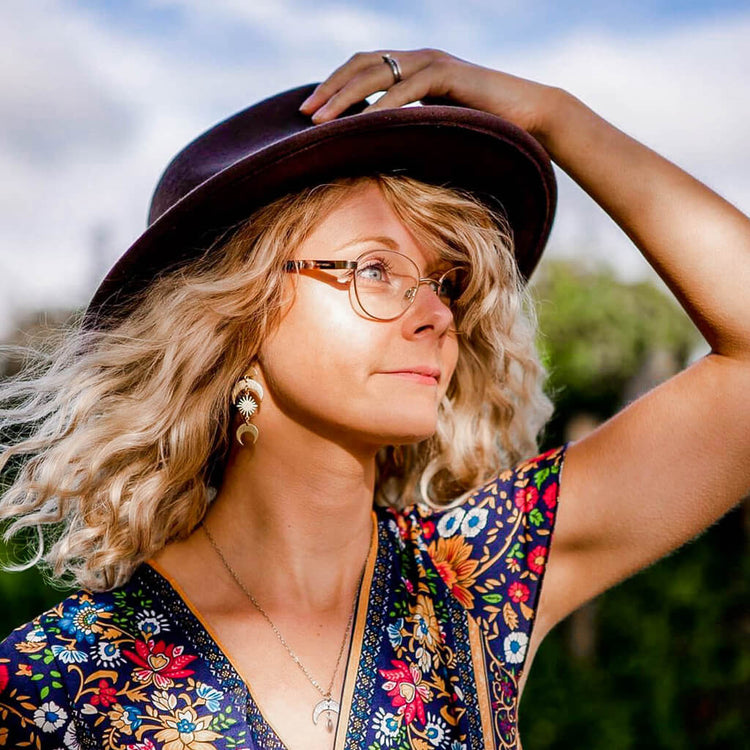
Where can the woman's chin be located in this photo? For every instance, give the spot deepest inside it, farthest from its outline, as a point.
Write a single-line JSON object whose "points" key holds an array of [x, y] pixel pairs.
{"points": [[403, 431]]}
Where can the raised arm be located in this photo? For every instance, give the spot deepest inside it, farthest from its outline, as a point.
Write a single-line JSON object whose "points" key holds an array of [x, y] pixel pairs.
{"points": [[671, 463]]}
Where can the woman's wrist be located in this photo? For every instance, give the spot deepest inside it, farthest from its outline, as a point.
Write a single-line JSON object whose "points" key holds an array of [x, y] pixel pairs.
{"points": [[553, 109]]}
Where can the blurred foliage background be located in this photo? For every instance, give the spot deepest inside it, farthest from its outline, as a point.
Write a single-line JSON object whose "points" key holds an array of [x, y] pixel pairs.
{"points": [[662, 660]]}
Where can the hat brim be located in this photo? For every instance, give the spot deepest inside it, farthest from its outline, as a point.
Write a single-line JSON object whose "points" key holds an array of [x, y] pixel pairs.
{"points": [[443, 145]]}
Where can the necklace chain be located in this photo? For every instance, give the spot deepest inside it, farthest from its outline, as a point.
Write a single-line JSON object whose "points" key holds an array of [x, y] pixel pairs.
{"points": [[325, 693]]}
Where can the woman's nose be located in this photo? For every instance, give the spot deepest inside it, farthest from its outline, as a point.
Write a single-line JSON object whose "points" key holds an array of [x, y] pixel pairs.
{"points": [[411, 293], [427, 309]]}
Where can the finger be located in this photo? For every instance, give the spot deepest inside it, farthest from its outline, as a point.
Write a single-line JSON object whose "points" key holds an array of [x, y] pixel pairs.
{"points": [[325, 90], [422, 85], [377, 77]]}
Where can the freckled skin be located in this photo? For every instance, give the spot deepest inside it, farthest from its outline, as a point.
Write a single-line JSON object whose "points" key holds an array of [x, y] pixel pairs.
{"points": [[325, 364]]}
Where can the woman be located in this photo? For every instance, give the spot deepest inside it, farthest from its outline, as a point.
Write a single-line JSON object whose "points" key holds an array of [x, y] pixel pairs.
{"points": [[229, 414]]}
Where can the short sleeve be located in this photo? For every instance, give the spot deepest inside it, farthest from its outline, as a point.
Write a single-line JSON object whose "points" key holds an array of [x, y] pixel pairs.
{"points": [[491, 551], [34, 708]]}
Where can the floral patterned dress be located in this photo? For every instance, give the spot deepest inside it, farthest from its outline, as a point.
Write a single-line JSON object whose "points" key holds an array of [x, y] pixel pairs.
{"points": [[438, 647]]}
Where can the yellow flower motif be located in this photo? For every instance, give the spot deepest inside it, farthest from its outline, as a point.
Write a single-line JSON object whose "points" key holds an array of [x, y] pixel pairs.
{"points": [[427, 629], [121, 719], [164, 701], [185, 731]]}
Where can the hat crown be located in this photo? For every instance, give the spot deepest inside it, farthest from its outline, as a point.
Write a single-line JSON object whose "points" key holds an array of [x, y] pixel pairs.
{"points": [[238, 137]]}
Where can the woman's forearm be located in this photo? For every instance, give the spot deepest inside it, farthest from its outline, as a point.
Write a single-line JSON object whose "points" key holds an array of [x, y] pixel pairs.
{"points": [[697, 242]]}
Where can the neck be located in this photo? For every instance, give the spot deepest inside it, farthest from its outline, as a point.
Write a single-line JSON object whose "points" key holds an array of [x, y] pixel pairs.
{"points": [[293, 518]]}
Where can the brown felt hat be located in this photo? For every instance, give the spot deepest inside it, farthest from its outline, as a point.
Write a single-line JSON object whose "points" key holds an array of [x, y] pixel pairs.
{"points": [[271, 149]]}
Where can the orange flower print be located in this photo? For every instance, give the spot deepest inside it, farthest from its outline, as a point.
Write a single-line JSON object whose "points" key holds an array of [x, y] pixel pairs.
{"points": [[451, 558], [427, 628]]}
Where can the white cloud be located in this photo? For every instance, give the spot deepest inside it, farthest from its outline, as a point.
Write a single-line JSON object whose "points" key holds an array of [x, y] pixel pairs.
{"points": [[93, 112], [684, 93]]}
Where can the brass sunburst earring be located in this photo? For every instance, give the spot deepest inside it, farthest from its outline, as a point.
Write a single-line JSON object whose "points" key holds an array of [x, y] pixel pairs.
{"points": [[247, 395]]}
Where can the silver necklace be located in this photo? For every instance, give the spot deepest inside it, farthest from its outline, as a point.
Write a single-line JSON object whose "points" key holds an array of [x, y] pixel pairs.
{"points": [[327, 705]]}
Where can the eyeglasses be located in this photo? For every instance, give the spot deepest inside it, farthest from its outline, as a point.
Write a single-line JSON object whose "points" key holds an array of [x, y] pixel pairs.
{"points": [[385, 283]]}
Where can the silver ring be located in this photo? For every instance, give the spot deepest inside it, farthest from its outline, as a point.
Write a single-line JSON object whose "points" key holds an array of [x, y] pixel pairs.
{"points": [[395, 67]]}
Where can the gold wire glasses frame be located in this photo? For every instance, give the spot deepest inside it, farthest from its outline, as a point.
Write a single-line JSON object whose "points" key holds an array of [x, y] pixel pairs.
{"points": [[386, 282]]}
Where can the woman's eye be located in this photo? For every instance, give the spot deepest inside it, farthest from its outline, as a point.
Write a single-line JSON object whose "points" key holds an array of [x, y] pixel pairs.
{"points": [[449, 291], [373, 272]]}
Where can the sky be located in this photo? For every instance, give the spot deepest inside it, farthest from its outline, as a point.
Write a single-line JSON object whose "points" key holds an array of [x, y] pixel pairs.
{"points": [[96, 96]]}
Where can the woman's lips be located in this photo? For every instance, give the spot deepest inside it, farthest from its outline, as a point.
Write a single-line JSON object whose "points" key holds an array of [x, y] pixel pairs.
{"points": [[416, 377]]}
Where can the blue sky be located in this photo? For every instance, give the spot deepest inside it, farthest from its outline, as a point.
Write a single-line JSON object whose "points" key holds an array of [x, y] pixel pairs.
{"points": [[507, 23], [98, 96]]}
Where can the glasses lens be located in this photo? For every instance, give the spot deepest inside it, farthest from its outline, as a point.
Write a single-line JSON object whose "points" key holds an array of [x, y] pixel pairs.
{"points": [[383, 281], [453, 284]]}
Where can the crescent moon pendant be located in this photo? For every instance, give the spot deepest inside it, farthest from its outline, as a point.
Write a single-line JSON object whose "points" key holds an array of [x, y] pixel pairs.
{"points": [[254, 387], [247, 384], [245, 429], [329, 706]]}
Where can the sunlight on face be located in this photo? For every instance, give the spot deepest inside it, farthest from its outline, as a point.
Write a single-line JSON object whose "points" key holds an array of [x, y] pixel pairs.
{"points": [[340, 374]]}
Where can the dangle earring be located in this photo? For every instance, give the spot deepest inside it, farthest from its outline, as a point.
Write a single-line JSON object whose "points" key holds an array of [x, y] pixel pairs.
{"points": [[246, 397]]}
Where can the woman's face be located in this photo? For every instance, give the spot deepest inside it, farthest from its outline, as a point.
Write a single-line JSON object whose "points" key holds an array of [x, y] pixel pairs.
{"points": [[342, 375]]}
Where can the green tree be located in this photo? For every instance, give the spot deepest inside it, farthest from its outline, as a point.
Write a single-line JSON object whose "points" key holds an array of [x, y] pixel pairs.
{"points": [[597, 335], [671, 667]]}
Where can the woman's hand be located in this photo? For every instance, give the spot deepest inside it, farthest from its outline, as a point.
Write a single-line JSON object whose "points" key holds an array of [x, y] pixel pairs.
{"points": [[429, 76]]}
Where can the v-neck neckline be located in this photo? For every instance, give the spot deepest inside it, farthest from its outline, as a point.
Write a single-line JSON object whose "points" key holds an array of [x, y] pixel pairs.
{"points": [[254, 711]]}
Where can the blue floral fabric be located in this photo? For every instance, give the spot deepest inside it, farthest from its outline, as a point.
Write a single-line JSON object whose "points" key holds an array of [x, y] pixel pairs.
{"points": [[438, 646]]}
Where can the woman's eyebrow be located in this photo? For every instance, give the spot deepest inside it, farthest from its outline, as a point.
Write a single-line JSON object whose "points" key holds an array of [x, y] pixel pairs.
{"points": [[438, 265], [389, 242]]}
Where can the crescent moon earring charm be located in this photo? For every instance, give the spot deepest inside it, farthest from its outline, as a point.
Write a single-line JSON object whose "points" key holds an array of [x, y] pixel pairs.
{"points": [[246, 429], [247, 395]]}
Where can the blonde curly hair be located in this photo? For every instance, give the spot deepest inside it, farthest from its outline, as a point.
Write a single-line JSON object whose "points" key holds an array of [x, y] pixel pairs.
{"points": [[118, 438]]}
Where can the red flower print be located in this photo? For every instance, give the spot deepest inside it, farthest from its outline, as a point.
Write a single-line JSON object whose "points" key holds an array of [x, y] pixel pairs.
{"points": [[526, 498], [159, 663], [518, 592], [428, 529], [401, 523], [406, 691], [550, 495], [105, 695], [147, 745], [3, 677], [537, 559]]}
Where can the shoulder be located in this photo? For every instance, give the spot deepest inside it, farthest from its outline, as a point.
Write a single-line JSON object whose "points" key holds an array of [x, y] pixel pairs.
{"points": [[80, 618], [489, 552], [532, 485], [493, 546], [64, 634], [34, 706], [74, 665]]}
